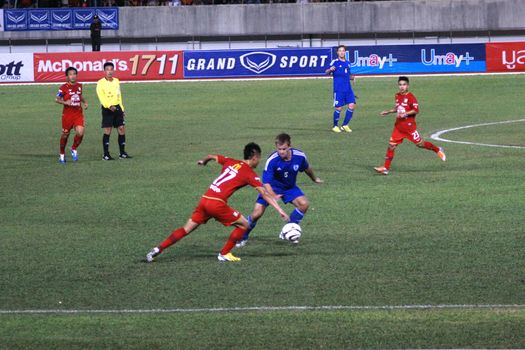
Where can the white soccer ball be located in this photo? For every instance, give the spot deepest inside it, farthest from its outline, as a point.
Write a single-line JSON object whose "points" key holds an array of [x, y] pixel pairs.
{"points": [[291, 232]]}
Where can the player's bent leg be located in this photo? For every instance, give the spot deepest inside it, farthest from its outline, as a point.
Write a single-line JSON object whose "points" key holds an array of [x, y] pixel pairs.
{"points": [[348, 116], [385, 169], [430, 146], [301, 207], [173, 238], [258, 212], [241, 226], [79, 135]]}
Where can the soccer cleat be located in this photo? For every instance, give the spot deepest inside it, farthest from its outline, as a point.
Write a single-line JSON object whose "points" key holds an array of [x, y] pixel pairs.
{"points": [[150, 257], [381, 170], [228, 257], [125, 156], [441, 154], [336, 129], [74, 154], [346, 128], [107, 157], [62, 159], [241, 243]]}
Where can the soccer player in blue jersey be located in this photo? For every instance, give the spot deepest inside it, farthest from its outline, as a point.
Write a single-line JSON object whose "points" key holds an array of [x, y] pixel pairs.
{"points": [[280, 180], [343, 93]]}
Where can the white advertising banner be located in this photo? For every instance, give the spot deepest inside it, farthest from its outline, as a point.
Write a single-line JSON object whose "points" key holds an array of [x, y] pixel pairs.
{"points": [[16, 68], [1, 20]]}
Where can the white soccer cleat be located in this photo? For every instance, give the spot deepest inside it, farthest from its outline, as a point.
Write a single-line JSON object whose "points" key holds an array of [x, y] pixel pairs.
{"points": [[150, 257], [74, 154], [241, 244]]}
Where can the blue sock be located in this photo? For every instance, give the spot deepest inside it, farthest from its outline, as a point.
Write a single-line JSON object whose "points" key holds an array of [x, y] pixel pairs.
{"points": [[252, 223], [336, 117], [296, 216], [348, 116]]}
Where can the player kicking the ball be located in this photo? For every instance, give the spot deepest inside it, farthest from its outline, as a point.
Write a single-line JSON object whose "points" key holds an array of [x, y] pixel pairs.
{"points": [[343, 93], [235, 174], [70, 95], [405, 127], [280, 180]]}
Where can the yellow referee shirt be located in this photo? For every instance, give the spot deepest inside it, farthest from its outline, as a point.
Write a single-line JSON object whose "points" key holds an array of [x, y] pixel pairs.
{"points": [[108, 93]]}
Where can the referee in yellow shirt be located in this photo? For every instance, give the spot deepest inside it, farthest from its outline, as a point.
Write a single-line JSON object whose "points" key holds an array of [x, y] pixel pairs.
{"points": [[108, 92]]}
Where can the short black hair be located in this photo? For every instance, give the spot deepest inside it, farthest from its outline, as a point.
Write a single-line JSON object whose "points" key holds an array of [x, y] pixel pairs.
{"points": [[340, 46], [403, 78], [71, 69], [251, 150], [283, 138], [109, 64]]}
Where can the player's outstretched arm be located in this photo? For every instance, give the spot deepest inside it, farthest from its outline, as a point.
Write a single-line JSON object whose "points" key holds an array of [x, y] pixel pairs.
{"points": [[270, 199], [388, 111], [311, 175], [269, 188], [207, 159]]}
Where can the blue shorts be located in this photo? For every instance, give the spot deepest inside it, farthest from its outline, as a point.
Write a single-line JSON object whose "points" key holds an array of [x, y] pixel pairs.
{"points": [[343, 98], [287, 195]]}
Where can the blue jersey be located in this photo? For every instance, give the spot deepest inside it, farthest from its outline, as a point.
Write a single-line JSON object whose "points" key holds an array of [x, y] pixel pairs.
{"points": [[341, 75], [282, 174]]}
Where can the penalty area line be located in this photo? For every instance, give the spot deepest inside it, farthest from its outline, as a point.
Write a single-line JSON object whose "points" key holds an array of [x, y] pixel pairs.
{"points": [[267, 309], [437, 135]]}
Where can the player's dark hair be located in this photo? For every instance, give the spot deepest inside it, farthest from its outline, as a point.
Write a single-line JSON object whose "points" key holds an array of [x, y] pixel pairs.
{"points": [[69, 69], [283, 138], [109, 64], [251, 150], [341, 46], [403, 78]]}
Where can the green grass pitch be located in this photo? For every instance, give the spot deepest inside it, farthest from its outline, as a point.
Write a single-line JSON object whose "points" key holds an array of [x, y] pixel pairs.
{"points": [[74, 237]]}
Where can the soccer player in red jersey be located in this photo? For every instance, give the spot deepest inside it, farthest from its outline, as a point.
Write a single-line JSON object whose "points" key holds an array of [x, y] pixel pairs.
{"points": [[405, 127], [235, 174], [70, 95]]}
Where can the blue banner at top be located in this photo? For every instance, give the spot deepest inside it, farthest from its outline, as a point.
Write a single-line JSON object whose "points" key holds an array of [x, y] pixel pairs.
{"points": [[256, 62], [410, 59], [59, 19]]}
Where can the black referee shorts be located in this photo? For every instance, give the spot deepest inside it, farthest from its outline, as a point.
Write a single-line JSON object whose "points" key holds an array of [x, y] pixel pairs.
{"points": [[112, 119]]}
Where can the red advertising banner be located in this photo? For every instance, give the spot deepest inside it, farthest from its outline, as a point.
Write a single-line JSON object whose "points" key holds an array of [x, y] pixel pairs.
{"points": [[129, 65], [505, 57]]}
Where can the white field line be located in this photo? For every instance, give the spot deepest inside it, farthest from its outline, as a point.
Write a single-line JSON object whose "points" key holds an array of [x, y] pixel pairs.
{"points": [[357, 77], [266, 309], [437, 135]]}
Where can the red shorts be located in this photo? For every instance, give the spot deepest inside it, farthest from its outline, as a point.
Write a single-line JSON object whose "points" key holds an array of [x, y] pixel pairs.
{"points": [[69, 121], [217, 209], [405, 130]]}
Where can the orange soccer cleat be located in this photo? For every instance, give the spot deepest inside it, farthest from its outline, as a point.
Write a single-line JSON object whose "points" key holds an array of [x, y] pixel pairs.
{"points": [[381, 170], [441, 154]]}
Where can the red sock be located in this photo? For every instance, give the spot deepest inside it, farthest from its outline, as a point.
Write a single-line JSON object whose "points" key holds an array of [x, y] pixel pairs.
{"points": [[431, 146], [235, 236], [77, 141], [175, 236], [388, 158], [63, 143]]}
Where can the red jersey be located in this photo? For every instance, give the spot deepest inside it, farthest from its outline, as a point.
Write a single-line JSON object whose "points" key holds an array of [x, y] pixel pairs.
{"points": [[235, 174], [73, 93], [404, 104]]}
